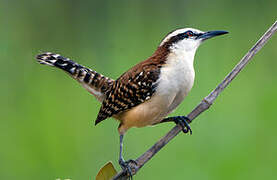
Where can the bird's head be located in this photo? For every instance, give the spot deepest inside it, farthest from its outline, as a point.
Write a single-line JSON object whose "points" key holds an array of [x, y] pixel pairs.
{"points": [[187, 39]]}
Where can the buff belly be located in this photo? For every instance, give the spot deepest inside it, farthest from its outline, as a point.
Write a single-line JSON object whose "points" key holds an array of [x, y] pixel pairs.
{"points": [[145, 114], [150, 112]]}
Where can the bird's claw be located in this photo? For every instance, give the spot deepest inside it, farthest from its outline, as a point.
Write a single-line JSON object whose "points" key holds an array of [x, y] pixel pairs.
{"points": [[183, 122], [132, 161], [125, 165]]}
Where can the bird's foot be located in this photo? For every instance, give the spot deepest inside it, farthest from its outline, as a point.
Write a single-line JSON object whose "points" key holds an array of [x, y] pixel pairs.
{"points": [[125, 165], [183, 122]]}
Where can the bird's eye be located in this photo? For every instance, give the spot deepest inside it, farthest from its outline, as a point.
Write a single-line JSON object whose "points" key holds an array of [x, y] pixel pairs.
{"points": [[189, 33]]}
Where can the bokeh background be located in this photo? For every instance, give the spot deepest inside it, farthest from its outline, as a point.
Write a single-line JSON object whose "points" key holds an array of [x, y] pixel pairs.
{"points": [[47, 119]]}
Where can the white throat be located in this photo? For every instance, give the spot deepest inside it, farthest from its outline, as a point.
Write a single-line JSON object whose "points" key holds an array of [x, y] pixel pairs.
{"points": [[184, 51], [181, 55]]}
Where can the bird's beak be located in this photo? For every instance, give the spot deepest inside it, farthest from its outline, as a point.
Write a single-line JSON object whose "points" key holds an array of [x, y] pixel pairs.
{"points": [[210, 34]]}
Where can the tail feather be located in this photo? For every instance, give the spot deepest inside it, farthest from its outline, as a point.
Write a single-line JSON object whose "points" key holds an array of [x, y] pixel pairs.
{"points": [[95, 83]]}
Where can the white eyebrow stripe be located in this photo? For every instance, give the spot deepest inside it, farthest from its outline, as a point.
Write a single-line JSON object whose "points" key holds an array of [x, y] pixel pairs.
{"points": [[176, 32]]}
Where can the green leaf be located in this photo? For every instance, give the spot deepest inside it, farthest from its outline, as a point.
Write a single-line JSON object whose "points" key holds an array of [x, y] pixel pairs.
{"points": [[106, 172]]}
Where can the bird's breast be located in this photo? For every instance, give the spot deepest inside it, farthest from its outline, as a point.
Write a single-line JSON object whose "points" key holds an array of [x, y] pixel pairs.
{"points": [[177, 77], [175, 81]]}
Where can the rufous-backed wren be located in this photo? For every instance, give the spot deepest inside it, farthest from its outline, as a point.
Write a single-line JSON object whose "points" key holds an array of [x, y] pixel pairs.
{"points": [[145, 94]]}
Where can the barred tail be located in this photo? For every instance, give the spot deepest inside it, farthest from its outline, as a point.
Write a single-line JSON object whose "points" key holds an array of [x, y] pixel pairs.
{"points": [[95, 83]]}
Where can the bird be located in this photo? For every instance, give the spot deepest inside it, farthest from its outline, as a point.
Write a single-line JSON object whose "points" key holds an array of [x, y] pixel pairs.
{"points": [[149, 91]]}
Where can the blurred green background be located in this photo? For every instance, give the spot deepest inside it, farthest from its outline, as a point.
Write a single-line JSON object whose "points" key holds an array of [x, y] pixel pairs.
{"points": [[47, 119]]}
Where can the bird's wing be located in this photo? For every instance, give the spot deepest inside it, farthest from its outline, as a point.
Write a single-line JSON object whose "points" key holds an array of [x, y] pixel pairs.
{"points": [[94, 82], [131, 89]]}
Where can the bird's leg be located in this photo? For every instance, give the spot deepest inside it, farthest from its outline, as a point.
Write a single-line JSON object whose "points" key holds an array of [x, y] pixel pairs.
{"points": [[182, 121], [125, 164]]}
